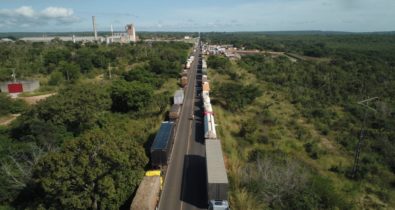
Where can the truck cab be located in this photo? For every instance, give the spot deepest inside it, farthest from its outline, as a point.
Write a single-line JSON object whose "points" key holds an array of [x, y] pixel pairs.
{"points": [[218, 205]]}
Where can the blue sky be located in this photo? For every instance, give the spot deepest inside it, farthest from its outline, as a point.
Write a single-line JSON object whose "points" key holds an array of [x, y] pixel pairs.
{"points": [[203, 15]]}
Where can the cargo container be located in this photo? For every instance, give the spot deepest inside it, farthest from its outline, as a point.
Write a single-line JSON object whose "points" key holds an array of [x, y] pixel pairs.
{"points": [[184, 81], [161, 147], [147, 195], [184, 72], [188, 65], [204, 64], [206, 87], [208, 108], [206, 97], [217, 180], [174, 112], [204, 79], [209, 126], [15, 88], [178, 96]]}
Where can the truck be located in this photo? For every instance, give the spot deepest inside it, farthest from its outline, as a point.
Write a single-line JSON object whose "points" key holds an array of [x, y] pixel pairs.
{"points": [[161, 147], [178, 97], [174, 112], [206, 86], [209, 126], [147, 195], [204, 64], [184, 81], [217, 179]]}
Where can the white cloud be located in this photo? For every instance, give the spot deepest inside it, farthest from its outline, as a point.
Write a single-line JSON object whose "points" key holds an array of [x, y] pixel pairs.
{"points": [[57, 12], [24, 11], [26, 16]]}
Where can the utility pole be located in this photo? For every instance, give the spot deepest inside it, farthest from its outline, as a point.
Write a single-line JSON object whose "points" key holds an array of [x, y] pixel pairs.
{"points": [[13, 75], [365, 104]]}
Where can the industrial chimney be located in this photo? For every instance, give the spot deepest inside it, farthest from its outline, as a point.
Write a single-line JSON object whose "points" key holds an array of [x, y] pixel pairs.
{"points": [[131, 32], [94, 27]]}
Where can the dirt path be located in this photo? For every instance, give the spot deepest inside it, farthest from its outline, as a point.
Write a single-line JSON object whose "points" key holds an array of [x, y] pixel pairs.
{"points": [[8, 119], [31, 100]]}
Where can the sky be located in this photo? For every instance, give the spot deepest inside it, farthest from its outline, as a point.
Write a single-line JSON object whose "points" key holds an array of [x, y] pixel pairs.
{"points": [[203, 15]]}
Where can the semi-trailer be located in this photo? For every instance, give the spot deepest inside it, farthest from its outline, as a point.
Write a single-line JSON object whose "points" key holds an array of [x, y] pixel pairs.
{"points": [[204, 79], [147, 195], [174, 112], [209, 126], [178, 97], [217, 180], [206, 86], [184, 81], [161, 147], [204, 64]]}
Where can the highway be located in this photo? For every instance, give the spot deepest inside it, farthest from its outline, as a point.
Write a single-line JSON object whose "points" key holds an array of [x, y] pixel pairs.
{"points": [[185, 182]]}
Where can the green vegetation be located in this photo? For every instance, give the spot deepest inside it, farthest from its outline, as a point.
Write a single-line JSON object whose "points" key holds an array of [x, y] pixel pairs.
{"points": [[9, 106], [305, 125], [98, 170], [86, 146]]}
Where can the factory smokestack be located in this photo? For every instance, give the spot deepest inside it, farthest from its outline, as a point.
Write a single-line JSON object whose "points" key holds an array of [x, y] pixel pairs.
{"points": [[94, 27]]}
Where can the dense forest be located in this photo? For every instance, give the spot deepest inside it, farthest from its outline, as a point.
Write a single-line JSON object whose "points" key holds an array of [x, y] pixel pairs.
{"points": [[291, 128], [86, 146]]}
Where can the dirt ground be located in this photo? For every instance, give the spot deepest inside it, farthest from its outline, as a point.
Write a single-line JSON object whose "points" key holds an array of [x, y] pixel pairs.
{"points": [[8, 119], [31, 100]]}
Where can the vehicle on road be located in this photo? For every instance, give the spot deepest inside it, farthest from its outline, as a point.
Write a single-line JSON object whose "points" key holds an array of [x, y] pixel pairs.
{"points": [[161, 147], [217, 180], [147, 195]]}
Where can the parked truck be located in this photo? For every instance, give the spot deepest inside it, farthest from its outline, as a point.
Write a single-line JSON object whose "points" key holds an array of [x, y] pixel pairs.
{"points": [[209, 126], [174, 112], [184, 81], [206, 86], [178, 97], [217, 180], [161, 147], [147, 195]]}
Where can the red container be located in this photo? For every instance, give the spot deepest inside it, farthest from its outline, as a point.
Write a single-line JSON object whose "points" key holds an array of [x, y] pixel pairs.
{"points": [[15, 88]]}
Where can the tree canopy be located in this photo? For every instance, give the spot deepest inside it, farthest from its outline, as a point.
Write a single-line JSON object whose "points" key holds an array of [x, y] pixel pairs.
{"points": [[99, 170]]}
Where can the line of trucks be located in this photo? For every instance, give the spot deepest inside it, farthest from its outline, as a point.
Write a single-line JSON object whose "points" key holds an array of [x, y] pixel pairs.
{"points": [[217, 179], [148, 193]]}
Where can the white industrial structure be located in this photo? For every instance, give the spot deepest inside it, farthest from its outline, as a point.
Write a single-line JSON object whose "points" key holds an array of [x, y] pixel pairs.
{"points": [[127, 36], [94, 27]]}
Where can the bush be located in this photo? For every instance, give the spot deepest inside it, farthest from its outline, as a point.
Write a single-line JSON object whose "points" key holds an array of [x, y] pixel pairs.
{"points": [[236, 95], [56, 78], [10, 106], [131, 96], [312, 149]]}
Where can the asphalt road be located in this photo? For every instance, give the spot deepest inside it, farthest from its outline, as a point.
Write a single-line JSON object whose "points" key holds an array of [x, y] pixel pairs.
{"points": [[185, 182]]}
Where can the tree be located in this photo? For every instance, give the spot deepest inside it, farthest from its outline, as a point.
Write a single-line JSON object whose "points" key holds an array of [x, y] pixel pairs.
{"points": [[99, 170], [236, 95], [143, 75], [71, 71], [74, 110], [10, 106], [56, 78], [131, 96]]}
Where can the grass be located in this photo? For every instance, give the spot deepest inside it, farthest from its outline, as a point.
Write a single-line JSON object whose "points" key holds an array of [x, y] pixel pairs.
{"points": [[286, 121]]}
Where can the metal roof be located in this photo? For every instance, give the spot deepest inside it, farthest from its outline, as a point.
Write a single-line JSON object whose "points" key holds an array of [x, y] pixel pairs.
{"points": [[179, 93], [163, 136], [216, 172]]}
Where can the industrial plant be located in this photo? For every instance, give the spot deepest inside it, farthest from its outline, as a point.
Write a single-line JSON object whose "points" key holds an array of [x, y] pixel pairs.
{"points": [[126, 36]]}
